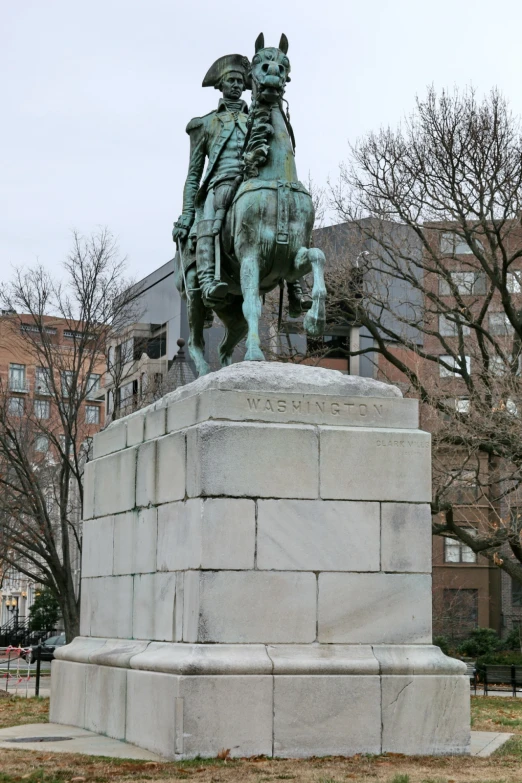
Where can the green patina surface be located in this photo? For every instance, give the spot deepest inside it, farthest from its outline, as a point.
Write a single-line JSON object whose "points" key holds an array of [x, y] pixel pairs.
{"points": [[247, 221]]}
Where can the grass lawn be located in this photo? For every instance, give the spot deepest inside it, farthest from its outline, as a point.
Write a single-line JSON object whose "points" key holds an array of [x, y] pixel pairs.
{"points": [[488, 714]]}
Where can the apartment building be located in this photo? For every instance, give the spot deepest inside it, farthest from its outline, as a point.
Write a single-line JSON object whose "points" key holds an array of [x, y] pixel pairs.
{"points": [[469, 591], [141, 356], [30, 391]]}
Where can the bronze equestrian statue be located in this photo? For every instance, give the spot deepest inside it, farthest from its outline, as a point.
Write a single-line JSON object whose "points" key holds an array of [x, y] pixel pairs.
{"points": [[246, 227]]}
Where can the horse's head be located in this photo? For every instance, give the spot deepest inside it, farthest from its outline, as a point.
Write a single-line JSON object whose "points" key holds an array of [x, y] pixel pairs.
{"points": [[270, 69]]}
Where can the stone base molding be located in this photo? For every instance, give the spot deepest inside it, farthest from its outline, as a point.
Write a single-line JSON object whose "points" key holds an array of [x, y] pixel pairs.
{"points": [[185, 700], [256, 575]]}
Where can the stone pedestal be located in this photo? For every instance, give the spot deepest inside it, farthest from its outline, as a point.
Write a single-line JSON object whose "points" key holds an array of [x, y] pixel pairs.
{"points": [[257, 575]]}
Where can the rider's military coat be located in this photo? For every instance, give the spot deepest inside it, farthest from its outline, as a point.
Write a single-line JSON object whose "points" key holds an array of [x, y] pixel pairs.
{"points": [[209, 137]]}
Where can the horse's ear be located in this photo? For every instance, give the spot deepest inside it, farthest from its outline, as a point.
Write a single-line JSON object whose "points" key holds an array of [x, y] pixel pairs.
{"points": [[283, 44], [260, 42]]}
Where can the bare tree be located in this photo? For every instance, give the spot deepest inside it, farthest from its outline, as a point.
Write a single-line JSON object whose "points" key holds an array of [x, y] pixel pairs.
{"points": [[45, 442], [435, 213]]}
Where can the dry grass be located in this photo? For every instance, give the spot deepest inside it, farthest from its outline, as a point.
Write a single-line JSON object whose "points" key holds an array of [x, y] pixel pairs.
{"points": [[15, 711], [496, 713], [488, 714]]}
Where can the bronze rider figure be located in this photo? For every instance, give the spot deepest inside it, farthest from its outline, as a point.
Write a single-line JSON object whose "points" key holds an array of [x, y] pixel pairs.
{"points": [[218, 137]]}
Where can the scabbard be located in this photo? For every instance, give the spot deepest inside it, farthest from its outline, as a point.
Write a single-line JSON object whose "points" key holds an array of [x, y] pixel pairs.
{"points": [[217, 257]]}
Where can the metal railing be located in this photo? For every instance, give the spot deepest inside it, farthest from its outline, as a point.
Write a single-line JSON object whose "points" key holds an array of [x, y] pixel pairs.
{"points": [[15, 669], [18, 385], [17, 633]]}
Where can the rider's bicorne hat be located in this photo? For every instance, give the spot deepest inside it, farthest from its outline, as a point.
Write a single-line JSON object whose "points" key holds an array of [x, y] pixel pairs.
{"points": [[230, 62]]}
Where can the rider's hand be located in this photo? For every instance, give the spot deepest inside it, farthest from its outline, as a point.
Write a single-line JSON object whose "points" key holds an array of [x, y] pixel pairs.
{"points": [[179, 233]]}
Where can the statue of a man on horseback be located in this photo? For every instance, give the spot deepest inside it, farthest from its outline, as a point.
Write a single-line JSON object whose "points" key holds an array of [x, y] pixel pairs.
{"points": [[240, 148]]}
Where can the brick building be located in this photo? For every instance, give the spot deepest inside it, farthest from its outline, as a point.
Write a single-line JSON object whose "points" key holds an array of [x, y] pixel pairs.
{"points": [[26, 392], [469, 591]]}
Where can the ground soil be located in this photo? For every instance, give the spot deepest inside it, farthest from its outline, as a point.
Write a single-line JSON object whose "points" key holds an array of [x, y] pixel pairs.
{"points": [[488, 714]]}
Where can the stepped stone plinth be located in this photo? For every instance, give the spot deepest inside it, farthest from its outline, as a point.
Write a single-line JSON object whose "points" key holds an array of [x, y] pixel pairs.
{"points": [[257, 575]]}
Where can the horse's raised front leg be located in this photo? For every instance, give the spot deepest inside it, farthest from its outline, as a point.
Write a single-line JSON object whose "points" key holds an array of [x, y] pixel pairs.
{"points": [[314, 259], [196, 318], [251, 307]]}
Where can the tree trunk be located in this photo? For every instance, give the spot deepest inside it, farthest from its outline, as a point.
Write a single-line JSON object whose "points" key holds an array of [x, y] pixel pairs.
{"points": [[70, 608]]}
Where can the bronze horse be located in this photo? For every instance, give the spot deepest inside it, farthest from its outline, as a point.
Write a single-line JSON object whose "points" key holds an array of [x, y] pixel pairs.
{"points": [[266, 234]]}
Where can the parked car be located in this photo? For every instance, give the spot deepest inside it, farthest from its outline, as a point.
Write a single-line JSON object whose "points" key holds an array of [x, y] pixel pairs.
{"points": [[47, 649]]}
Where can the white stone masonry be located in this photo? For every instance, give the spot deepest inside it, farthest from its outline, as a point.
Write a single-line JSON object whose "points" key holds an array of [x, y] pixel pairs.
{"points": [[256, 575]]}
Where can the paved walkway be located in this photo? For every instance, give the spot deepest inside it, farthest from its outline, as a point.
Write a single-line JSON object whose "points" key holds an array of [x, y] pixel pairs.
{"points": [[484, 743], [70, 739], [509, 693]]}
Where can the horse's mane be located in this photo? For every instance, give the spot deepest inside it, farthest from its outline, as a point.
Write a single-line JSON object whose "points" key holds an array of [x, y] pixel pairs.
{"points": [[259, 130]]}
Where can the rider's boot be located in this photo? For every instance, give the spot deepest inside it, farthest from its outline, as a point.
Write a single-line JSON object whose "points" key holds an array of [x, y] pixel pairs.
{"points": [[298, 301], [213, 291]]}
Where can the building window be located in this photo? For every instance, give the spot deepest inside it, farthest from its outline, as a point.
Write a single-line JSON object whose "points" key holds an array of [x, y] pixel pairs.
{"points": [[50, 502], [92, 414], [63, 444], [462, 405], [516, 593], [126, 394], [453, 245], [466, 283], [39, 329], [499, 365], [514, 282], [511, 406], [16, 406], [42, 381], [499, 324], [515, 518], [449, 326], [93, 386], [458, 404], [457, 552], [41, 444], [125, 351], [456, 364], [67, 377], [330, 346], [42, 409], [17, 380], [73, 335]]}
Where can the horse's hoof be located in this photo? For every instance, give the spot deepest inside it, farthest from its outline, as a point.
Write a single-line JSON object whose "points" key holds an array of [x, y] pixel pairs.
{"points": [[202, 368], [225, 359], [254, 354], [314, 326]]}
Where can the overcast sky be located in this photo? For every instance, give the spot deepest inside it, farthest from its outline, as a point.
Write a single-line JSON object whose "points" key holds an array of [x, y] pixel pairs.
{"points": [[96, 95]]}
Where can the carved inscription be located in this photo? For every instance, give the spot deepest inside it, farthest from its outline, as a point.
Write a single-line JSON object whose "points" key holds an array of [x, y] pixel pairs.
{"points": [[404, 447], [334, 408], [403, 444]]}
